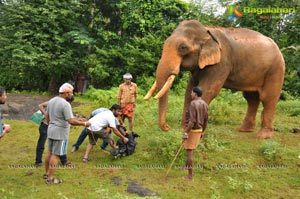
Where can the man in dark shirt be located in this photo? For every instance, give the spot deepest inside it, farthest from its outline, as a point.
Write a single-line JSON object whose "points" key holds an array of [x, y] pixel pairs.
{"points": [[196, 122]]}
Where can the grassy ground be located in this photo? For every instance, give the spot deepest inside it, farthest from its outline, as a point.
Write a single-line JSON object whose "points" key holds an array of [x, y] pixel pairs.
{"points": [[228, 164]]}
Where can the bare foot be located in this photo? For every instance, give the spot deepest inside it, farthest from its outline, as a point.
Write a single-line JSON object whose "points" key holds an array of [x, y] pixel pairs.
{"points": [[189, 178]]}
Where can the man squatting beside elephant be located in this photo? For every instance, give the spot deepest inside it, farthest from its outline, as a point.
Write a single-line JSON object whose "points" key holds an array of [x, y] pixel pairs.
{"points": [[233, 58], [196, 122]]}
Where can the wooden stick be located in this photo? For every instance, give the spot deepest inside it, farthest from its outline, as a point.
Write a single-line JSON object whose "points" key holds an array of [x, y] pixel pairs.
{"points": [[174, 160]]}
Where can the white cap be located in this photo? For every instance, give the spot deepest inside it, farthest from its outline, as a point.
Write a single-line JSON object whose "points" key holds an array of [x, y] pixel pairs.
{"points": [[66, 87], [127, 76]]}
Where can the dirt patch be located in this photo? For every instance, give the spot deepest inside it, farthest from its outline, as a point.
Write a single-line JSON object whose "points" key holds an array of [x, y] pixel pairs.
{"points": [[22, 106], [135, 187]]}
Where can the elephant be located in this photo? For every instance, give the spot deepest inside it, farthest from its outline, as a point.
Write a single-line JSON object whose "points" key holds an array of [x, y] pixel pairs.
{"points": [[234, 58]]}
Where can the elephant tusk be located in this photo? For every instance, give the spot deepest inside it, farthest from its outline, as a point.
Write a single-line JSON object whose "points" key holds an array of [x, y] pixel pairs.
{"points": [[166, 87], [150, 92]]}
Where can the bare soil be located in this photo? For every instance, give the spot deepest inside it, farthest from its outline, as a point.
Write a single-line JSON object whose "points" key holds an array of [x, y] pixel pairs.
{"points": [[22, 106]]}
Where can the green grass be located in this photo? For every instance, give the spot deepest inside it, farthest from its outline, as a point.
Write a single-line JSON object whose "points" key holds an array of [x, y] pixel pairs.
{"points": [[229, 164]]}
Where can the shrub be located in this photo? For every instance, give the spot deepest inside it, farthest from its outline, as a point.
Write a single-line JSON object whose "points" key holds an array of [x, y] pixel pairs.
{"points": [[270, 150], [105, 98]]}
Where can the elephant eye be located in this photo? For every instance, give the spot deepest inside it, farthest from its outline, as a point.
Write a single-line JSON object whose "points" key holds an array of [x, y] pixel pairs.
{"points": [[183, 49]]}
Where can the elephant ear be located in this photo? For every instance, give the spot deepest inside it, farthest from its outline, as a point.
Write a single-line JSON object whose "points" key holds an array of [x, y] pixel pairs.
{"points": [[210, 53]]}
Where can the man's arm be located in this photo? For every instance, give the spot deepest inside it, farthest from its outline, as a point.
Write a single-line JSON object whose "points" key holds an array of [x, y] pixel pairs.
{"points": [[117, 132], [119, 94], [190, 124], [77, 122], [42, 107], [136, 92], [191, 121]]}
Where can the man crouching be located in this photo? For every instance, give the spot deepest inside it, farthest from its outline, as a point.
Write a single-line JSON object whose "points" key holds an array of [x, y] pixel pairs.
{"points": [[99, 123]]}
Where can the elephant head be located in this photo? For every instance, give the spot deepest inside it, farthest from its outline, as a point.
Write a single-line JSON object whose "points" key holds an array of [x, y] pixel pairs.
{"points": [[190, 46]]}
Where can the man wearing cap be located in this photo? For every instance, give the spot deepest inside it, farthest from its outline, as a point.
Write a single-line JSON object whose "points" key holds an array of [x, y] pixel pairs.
{"points": [[196, 122], [127, 94], [59, 116]]}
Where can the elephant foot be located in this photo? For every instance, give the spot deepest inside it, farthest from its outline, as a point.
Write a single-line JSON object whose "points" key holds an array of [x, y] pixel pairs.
{"points": [[246, 128], [265, 133]]}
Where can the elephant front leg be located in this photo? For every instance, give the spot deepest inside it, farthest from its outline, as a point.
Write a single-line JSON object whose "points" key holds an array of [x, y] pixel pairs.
{"points": [[187, 101], [249, 122]]}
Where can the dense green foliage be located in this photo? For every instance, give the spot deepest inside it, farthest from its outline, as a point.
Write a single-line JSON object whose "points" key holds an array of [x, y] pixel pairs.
{"points": [[44, 43]]}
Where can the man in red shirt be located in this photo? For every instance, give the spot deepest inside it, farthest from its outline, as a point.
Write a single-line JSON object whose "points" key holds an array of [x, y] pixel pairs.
{"points": [[127, 94]]}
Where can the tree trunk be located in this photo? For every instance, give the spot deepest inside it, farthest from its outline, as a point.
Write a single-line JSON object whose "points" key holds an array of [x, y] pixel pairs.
{"points": [[53, 86]]}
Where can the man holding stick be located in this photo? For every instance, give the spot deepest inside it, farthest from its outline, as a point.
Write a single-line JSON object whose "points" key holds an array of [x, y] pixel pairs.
{"points": [[196, 122]]}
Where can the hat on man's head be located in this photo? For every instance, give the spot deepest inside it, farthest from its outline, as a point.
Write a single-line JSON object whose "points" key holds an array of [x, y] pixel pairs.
{"points": [[65, 88], [127, 76]]}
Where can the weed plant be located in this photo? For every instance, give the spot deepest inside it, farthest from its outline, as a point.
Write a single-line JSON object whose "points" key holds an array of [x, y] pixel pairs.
{"points": [[271, 151]]}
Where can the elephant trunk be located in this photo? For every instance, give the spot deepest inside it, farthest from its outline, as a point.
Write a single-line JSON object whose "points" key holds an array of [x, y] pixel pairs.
{"points": [[167, 69], [162, 111]]}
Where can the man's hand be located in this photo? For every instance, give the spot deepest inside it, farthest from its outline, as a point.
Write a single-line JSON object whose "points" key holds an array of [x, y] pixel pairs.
{"points": [[125, 139], [87, 124], [185, 136], [6, 128]]}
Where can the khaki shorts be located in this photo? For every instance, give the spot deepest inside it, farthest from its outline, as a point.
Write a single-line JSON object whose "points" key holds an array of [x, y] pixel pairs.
{"points": [[193, 139], [103, 134]]}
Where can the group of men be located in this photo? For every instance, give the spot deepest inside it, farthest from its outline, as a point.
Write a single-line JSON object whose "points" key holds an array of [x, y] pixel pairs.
{"points": [[59, 117]]}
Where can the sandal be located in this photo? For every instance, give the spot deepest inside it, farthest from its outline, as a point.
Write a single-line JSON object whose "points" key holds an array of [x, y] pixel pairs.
{"points": [[53, 181], [45, 176], [68, 164], [86, 160]]}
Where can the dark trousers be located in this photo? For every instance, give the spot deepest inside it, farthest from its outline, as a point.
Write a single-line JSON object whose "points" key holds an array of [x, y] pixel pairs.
{"points": [[81, 138], [40, 147]]}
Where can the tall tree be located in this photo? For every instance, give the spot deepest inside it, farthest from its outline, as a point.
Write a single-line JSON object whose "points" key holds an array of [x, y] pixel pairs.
{"points": [[34, 49]]}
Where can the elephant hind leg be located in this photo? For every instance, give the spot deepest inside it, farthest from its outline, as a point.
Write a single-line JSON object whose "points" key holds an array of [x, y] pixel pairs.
{"points": [[269, 98], [249, 122]]}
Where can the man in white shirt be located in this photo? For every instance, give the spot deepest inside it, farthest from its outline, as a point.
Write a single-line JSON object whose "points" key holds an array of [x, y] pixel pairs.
{"points": [[98, 129]]}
